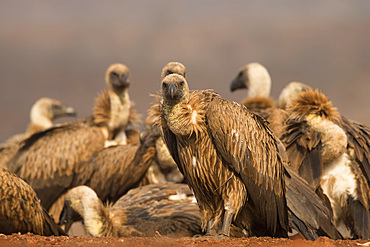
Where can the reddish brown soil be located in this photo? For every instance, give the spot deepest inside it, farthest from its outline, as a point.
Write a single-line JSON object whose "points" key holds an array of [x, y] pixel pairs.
{"points": [[35, 240]]}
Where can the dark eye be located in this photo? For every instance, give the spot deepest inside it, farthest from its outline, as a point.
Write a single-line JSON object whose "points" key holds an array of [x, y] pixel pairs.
{"points": [[181, 83], [169, 72], [113, 75], [240, 73], [164, 85]]}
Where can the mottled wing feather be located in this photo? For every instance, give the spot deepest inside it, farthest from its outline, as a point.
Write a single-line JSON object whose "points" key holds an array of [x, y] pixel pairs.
{"points": [[150, 209], [119, 169], [308, 215], [170, 140], [243, 140], [20, 209], [303, 146], [358, 139], [47, 160]]}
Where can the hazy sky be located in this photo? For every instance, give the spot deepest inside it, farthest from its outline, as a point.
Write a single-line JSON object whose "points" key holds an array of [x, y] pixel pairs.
{"points": [[61, 49]]}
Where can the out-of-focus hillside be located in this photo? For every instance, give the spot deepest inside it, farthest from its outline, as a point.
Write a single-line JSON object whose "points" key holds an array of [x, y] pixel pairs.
{"points": [[61, 49]]}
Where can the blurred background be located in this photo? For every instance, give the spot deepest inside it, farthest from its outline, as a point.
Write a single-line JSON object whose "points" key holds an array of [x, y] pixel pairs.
{"points": [[61, 49]]}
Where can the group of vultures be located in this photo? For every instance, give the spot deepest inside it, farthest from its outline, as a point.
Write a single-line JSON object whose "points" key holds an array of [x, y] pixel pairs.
{"points": [[199, 165]]}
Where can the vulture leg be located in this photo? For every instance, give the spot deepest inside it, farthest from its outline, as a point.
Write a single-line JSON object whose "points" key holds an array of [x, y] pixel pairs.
{"points": [[211, 228], [228, 217]]}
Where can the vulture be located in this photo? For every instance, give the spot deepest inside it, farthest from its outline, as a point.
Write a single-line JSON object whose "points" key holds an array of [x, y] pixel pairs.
{"points": [[160, 209], [256, 79], [21, 210], [220, 147], [163, 168], [332, 154], [49, 160], [42, 114]]}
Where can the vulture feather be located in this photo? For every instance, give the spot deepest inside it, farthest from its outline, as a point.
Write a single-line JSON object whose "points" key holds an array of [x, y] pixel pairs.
{"points": [[21, 210], [49, 159], [167, 209], [320, 144], [113, 171]]}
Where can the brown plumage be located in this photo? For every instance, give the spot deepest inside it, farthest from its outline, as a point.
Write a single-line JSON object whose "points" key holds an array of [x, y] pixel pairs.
{"points": [[113, 171], [49, 159], [20, 209], [318, 146], [222, 158], [168, 209], [255, 78], [42, 114], [278, 116]]}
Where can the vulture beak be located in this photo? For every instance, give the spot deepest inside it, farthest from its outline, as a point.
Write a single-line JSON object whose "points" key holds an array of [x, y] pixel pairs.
{"points": [[172, 90], [237, 84], [122, 82], [64, 111]]}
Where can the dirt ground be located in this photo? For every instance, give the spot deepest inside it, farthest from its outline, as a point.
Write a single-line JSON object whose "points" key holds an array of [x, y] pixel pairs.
{"points": [[35, 240]]}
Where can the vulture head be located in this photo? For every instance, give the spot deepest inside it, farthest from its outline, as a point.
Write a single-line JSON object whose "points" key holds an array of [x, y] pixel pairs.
{"points": [[117, 77], [291, 91], [51, 109], [77, 205], [45, 110], [174, 89], [173, 68], [255, 78]]}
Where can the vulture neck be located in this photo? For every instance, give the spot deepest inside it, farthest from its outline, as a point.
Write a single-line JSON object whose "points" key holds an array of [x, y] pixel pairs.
{"points": [[38, 121], [94, 215], [259, 86], [120, 111]]}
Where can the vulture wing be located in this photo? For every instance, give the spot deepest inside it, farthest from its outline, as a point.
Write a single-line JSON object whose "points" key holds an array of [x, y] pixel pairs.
{"points": [[249, 148], [358, 139], [20, 209], [307, 214], [303, 146], [47, 160]]}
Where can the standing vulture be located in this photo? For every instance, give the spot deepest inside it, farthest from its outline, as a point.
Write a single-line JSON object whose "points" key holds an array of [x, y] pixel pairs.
{"points": [[220, 147], [332, 153], [163, 168], [49, 159], [165, 209], [42, 114], [21, 210]]}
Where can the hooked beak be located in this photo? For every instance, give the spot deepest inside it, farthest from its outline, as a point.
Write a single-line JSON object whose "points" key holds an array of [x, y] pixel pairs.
{"points": [[172, 90], [237, 84]]}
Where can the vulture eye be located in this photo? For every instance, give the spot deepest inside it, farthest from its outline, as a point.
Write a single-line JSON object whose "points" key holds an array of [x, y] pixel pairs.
{"points": [[164, 85], [113, 75], [169, 72], [181, 83]]}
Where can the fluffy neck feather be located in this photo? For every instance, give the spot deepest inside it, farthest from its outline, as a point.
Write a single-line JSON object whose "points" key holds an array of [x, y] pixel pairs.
{"points": [[113, 110], [313, 102], [187, 117]]}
